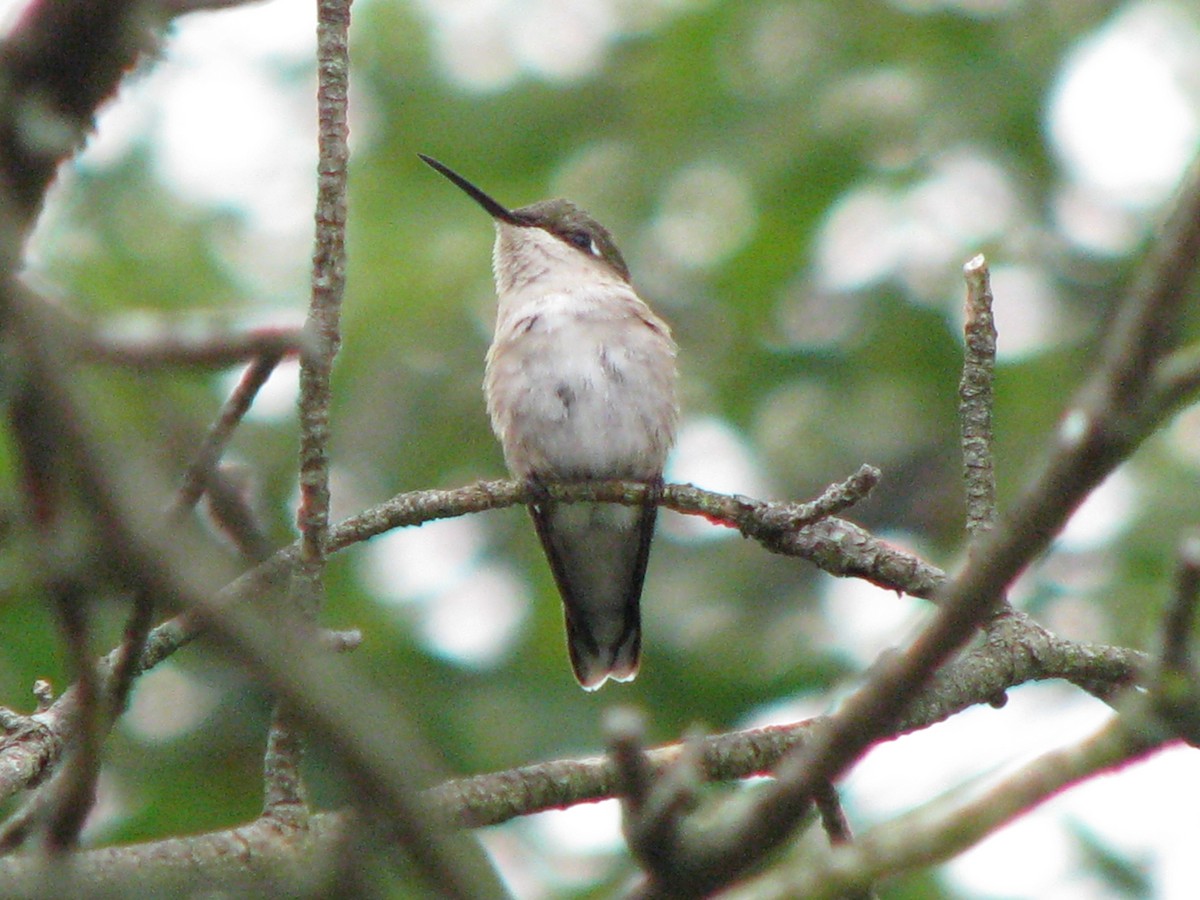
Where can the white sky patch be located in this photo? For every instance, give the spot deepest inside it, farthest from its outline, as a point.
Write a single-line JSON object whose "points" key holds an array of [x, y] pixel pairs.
{"points": [[167, 703], [1124, 114], [711, 454], [477, 622], [865, 620], [966, 200], [1103, 515], [542, 856], [408, 563], [1145, 810], [917, 235], [486, 45], [583, 829], [976, 748], [979, 741], [564, 40], [859, 243], [1090, 219], [467, 609], [231, 124]]}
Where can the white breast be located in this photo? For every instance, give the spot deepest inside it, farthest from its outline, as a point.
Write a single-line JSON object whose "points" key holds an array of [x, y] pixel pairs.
{"points": [[580, 383]]}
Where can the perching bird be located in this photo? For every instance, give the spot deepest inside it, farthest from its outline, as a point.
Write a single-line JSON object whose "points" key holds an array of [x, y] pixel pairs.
{"points": [[580, 385]]}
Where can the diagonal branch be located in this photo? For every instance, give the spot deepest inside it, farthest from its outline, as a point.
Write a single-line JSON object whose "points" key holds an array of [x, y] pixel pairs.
{"points": [[1108, 419]]}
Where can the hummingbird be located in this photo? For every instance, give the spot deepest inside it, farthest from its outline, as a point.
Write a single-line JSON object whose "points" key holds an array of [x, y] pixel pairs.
{"points": [[580, 384]]}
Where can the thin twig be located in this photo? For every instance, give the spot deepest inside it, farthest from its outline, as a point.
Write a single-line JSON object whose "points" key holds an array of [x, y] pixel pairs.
{"points": [[200, 472], [625, 732], [837, 827], [1176, 685], [1176, 642], [231, 508], [283, 789], [177, 350], [654, 830], [284, 794], [181, 7], [976, 399], [835, 545], [328, 282], [70, 798], [127, 665], [833, 817]]}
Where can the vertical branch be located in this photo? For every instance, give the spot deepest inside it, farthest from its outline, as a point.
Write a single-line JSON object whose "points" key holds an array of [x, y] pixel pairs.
{"points": [[328, 284], [975, 399], [284, 796], [323, 329], [1176, 687]]}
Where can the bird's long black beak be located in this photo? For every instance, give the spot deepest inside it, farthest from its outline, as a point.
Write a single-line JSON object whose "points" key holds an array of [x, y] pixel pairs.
{"points": [[494, 209]]}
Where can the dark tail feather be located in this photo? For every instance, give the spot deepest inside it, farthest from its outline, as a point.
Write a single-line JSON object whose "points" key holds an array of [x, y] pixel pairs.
{"points": [[598, 554]]}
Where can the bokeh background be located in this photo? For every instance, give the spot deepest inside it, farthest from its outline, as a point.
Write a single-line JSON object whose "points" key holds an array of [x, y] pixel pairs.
{"points": [[796, 186]]}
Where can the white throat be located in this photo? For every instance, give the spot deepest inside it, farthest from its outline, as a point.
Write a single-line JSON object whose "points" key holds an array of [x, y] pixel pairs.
{"points": [[528, 256]]}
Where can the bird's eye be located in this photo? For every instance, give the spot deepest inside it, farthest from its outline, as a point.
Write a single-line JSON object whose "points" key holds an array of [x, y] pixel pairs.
{"points": [[582, 240]]}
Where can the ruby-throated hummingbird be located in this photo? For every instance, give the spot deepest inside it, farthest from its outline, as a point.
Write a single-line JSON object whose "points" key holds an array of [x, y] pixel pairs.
{"points": [[580, 385]]}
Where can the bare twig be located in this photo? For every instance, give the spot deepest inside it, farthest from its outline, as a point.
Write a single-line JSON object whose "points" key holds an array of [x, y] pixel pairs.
{"points": [[836, 498], [231, 508], [1017, 652], [975, 399], [284, 795], [833, 817], [127, 664], [837, 827], [1176, 685], [328, 282], [200, 472], [1176, 642], [176, 348], [834, 545], [626, 731], [263, 859], [284, 790]]}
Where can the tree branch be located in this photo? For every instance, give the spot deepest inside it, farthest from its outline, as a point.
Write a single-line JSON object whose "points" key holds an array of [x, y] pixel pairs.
{"points": [[944, 828], [176, 348], [1106, 422], [976, 399]]}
